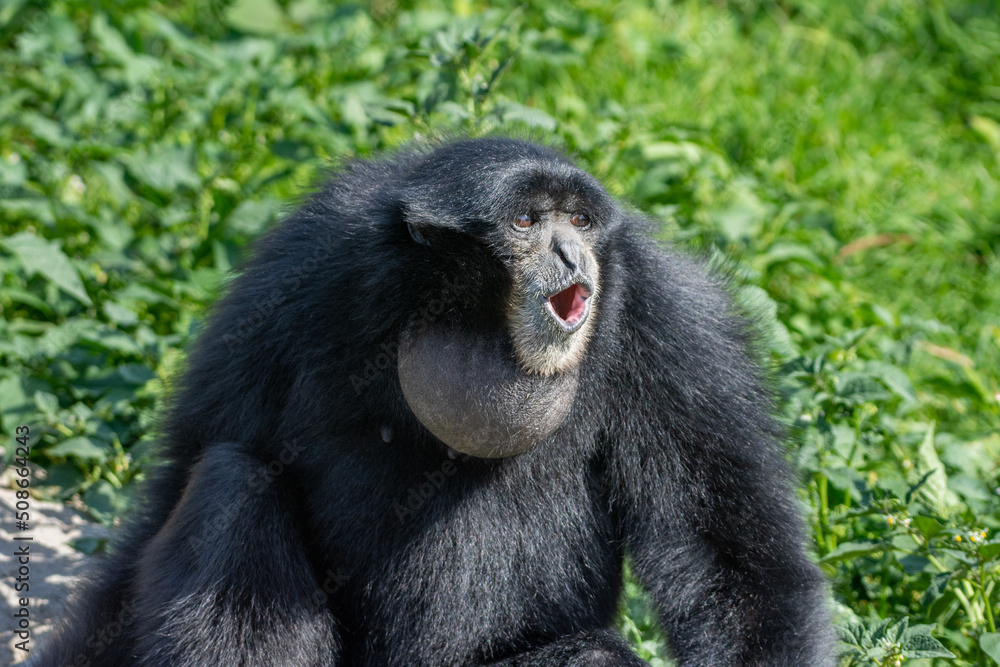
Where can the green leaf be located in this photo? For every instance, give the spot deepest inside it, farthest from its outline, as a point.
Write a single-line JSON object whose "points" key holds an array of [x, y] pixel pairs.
{"points": [[764, 311], [263, 17], [66, 477], [847, 550], [27, 298], [46, 258], [164, 168], [513, 112], [15, 402], [916, 486], [119, 314], [742, 218], [990, 550], [105, 502], [928, 526], [937, 588], [895, 632], [851, 633], [112, 340], [847, 479], [988, 129], [47, 402], [990, 643], [857, 388], [251, 217], [894, 378], [784, 252], [923, 646], [79, 447], [935, 489], [914, 564], [135, 374], [685, 151], [89, 545]]}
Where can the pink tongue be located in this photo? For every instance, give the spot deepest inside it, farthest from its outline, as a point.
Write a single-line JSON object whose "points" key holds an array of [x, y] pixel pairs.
{"points": [[571, 303]]}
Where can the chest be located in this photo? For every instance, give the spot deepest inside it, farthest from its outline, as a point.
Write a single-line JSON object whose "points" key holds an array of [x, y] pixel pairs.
{"points": [[440, 555]]}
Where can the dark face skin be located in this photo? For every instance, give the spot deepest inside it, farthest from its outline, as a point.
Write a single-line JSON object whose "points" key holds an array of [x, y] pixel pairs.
{"points": [[555, 287], [501, 392]]}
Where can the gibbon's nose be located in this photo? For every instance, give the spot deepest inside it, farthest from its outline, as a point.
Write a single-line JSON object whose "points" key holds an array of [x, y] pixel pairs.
{"points": [[568, 250]]}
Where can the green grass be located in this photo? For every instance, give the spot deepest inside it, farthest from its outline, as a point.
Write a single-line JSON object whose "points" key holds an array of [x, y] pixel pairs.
{"points": [[844, 157]]}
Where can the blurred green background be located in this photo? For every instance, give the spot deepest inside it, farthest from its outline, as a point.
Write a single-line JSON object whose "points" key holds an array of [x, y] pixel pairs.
{"points": [[841, 159]]}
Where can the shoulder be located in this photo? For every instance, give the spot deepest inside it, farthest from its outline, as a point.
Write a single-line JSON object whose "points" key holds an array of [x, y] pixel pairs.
{"points": [[674, 322], [670, 294]]}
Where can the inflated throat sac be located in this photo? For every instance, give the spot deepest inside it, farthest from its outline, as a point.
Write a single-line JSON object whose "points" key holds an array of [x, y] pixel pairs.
{"points": [[467, 389]]}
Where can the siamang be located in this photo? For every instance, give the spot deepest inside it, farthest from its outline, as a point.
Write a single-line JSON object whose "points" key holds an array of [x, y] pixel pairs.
{"points": [[438, 407]]}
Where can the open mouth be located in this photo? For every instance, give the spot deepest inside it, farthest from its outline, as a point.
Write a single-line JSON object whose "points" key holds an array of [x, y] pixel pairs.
{"points": [[569, 307]]}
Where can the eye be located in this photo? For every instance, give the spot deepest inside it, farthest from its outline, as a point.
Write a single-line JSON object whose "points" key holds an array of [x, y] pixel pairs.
{"points": [[522, 221], [580, 220]]}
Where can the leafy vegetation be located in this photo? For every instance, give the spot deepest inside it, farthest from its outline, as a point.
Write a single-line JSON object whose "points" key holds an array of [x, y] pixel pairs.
{"points": [[840, 158]]}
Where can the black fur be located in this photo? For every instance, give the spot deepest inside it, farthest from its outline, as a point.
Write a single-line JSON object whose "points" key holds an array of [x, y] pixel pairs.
{"points": [[303, 517]]}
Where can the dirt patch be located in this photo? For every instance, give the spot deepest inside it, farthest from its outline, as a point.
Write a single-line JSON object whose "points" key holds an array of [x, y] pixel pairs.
{"points": [[55, 566]]}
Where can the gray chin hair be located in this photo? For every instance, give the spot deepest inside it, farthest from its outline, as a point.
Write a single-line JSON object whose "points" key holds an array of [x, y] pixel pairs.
{"points": [[470, 392], [540, 345]]}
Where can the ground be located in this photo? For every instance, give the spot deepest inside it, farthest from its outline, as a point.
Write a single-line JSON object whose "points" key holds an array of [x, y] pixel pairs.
{"points": [[54, 564]]}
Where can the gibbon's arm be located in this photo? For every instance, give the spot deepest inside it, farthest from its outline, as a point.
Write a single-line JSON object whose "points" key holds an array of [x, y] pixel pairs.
{"points": [[710, 520], [226, 580]]}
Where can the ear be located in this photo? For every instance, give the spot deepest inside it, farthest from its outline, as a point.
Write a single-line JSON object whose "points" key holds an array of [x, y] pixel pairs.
{"points": [[424, 219], [416, 234]]}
